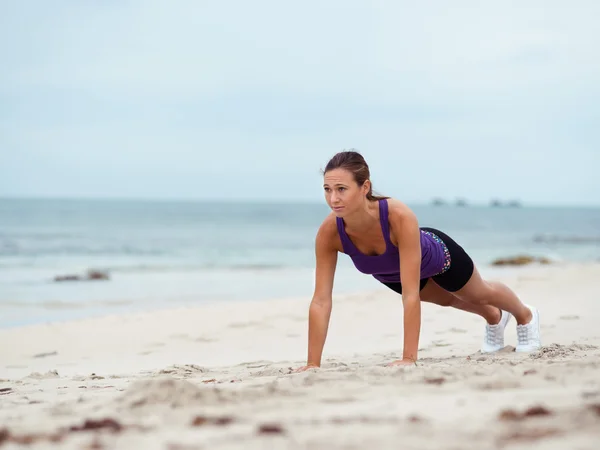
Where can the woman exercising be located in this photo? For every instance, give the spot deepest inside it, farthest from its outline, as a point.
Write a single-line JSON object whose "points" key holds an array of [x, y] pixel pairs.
{"points": [[383, 238]]}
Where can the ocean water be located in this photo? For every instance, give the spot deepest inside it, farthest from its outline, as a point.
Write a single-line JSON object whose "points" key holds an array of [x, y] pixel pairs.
{"points": [[162, 254]]}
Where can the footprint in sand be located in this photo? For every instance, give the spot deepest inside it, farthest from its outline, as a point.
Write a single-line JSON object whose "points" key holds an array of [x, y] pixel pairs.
{"points": [[185, 370], [506, 350], [249, 325], [43, 376], [298, 319], [337, 400], [498, 385], [92, 376], [556, 351], [155, 344], [45, 354], [179, 336], [451, 330], [256, 364], [204, 339]]}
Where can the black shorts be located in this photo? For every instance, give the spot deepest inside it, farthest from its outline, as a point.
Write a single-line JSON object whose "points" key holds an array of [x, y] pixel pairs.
{"points": [[459, 273]]}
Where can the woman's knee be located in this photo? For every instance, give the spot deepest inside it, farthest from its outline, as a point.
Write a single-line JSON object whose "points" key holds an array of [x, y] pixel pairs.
{"points": [[477, 291], [483, 296]]}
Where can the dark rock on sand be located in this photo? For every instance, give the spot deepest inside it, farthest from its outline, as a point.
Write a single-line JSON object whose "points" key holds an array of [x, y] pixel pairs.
{"points": [[520, 260], [91, 275]]}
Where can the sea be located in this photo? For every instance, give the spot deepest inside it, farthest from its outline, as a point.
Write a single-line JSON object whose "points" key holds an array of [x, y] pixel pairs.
{"points": [[169, 254]]}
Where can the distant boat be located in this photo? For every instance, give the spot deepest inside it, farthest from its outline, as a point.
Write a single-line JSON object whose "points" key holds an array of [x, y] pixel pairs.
{"points": [[461, 202], [438, 202], [495, 203]]}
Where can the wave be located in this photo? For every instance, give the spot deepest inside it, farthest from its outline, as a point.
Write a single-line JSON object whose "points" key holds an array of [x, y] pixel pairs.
{"points": [[140, 268], [195, 267], [557, 239], [11, 249]]}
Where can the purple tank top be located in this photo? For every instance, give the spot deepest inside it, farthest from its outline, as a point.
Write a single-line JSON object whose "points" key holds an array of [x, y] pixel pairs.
{"points": [[386, 267]]}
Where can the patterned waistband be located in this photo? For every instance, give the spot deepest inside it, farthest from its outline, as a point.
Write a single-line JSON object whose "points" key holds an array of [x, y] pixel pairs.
{"points": [[447, 259]]}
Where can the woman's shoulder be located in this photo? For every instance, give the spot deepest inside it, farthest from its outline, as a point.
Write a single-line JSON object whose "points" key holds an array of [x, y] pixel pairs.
{"points": [[400, 216], [398, 209], [329, 225], [328, 232]]}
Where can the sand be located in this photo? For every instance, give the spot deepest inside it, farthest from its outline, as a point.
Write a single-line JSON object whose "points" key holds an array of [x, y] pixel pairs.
{"points": [[220, 376]]}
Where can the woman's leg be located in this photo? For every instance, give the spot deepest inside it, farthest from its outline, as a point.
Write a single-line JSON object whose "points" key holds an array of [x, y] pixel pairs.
{"points": [[480, 292], [493, 337], [433, 293], [463, 280], [477, 291]]}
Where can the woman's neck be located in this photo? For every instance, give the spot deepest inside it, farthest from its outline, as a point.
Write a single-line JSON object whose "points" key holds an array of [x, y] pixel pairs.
{"points": [[364, 218]]}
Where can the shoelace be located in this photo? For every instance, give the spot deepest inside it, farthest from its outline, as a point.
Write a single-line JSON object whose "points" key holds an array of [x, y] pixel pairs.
{"points": [[523, 334], [492, 336]]}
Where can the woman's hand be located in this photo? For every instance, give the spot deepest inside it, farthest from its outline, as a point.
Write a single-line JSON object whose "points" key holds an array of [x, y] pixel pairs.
{"points": [[402, 362]]}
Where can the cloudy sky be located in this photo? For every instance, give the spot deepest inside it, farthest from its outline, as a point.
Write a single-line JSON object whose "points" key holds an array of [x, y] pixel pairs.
{"points": [[238, 99]]}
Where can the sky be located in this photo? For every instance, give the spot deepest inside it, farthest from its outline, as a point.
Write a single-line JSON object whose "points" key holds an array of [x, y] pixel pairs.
{"points": [[192, 99]]}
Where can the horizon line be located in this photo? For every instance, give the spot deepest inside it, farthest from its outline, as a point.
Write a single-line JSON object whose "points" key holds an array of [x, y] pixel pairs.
{"points": [[448, 203]]}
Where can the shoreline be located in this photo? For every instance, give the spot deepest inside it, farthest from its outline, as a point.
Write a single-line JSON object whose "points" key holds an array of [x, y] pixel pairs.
{"points": [[67, 308], [513, 276]]}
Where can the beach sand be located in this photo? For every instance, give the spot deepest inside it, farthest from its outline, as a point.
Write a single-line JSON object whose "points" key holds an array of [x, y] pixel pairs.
{"points": [[219, 376]]}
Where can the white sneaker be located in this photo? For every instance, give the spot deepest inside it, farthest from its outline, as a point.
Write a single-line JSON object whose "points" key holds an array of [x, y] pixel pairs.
{"points": [[494, 334], [528, 335]]}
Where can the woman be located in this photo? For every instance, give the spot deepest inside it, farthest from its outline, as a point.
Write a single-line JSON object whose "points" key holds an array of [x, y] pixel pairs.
{"points": [[383, 238]]}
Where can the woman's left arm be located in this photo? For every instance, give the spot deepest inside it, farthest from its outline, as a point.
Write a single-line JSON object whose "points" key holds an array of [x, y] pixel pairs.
{"points": [[406, 230]]}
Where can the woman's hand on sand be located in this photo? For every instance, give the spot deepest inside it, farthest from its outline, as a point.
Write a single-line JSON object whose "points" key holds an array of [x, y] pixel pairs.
{"points": [[307, 367], [402, 362]]}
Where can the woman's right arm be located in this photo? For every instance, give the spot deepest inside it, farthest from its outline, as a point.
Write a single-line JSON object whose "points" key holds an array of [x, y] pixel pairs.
{"points": [[320, 307]]}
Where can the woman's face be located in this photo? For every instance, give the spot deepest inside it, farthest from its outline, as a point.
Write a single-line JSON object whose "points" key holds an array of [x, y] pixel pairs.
{"points": [[342, 193]]}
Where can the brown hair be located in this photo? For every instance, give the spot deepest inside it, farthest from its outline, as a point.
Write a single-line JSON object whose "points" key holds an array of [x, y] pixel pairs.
{"points": [[353, 162]]}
